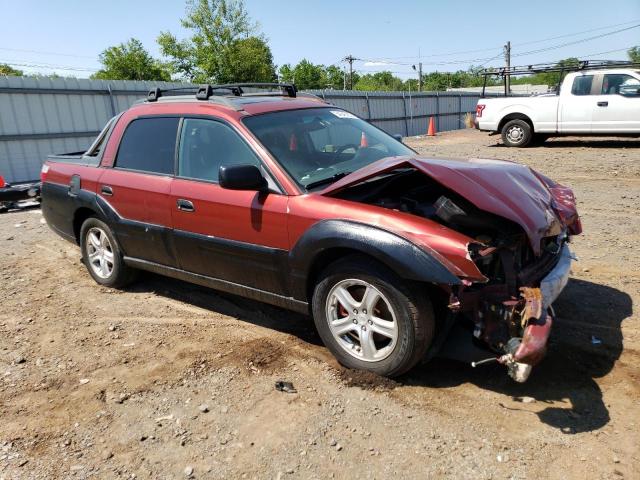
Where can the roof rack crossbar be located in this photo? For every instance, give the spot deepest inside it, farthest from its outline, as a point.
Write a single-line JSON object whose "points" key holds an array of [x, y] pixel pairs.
{"points": [[555, 67], [288, 89]]}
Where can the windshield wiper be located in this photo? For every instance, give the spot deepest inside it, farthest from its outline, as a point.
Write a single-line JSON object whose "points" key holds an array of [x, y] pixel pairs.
{"points": [[333, 178]]}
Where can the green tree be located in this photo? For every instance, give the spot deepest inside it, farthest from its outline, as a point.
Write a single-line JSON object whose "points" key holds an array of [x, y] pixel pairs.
{"points": [[310, 76], [384, 81], [8, 70], [130, 61], [334, 77], [224, 46], [634, 54]]}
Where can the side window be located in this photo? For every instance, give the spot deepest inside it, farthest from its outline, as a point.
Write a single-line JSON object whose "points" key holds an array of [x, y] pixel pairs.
{"points": [[207, 144], [611, 83], [149, 145], [582, 85]]}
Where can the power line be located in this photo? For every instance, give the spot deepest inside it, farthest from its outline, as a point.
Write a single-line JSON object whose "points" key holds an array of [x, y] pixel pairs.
{"points": [[575, 42], [47, 53], [48, 66], [517, 44]]}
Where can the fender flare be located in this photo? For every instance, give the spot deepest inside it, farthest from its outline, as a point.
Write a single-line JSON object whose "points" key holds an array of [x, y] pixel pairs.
{"points": [[405, 258]]}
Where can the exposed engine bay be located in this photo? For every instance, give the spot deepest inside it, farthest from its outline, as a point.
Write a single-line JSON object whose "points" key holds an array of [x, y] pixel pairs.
{"points": [[507, 313]]}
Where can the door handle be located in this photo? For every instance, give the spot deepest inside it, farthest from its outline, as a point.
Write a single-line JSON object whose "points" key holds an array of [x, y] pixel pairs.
{"points": [[185, 205], [603, 104], [106, 190]]}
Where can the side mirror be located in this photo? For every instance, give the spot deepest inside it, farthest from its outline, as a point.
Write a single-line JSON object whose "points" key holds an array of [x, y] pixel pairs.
{"points": [[241, 177], [398, 137], [630, 91]]}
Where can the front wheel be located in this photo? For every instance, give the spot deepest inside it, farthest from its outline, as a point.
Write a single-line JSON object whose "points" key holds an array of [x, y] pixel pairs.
{"points": [[102, 255], [516, 133], [370, 319]]}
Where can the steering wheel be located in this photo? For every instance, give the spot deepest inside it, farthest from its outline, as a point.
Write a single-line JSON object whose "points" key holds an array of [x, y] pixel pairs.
{"points": [[341, 150]]}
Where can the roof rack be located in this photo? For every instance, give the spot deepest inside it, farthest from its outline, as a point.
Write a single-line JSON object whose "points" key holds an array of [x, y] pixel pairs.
{"points": [[580, 65], [206, 91]]}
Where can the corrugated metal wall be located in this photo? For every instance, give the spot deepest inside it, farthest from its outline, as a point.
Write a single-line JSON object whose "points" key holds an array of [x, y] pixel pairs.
{"points": [[40, 116]]}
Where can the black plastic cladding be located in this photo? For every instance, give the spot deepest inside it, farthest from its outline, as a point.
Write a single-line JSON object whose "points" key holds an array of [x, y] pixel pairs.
{"points": [[406, 259]]}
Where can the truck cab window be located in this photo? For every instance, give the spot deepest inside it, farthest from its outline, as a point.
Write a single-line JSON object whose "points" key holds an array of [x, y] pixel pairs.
{"points": [[611, 83], [148, 145], [582, 85], [207, 144]]}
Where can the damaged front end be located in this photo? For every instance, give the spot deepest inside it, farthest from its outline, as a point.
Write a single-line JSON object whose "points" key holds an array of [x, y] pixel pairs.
{"points": [[518, 224], [514, 318]]}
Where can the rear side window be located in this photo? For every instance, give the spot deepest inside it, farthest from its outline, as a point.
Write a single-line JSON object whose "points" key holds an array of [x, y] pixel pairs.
{"points": [[207, 144], [582, 85], [149, 145]]}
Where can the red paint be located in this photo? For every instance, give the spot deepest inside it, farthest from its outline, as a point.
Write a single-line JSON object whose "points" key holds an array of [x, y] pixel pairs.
{"points": [[504, 188], [534, 341]]}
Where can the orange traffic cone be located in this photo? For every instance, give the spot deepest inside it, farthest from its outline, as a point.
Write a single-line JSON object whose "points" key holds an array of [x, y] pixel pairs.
{"points": [[363, 141], [431, 132], [293, 143]]}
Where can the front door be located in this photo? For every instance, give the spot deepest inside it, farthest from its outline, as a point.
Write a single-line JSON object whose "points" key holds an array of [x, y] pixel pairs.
{"points": [[616, 108], [235, 236]]}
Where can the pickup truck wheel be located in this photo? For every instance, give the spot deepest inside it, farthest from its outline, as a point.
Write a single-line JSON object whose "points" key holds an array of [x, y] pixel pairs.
{"points": [[370, 319], [102, 256], [516, 133]]}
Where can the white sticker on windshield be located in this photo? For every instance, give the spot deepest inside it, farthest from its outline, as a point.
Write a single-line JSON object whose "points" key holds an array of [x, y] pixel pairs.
{"points": [[343, 114]]}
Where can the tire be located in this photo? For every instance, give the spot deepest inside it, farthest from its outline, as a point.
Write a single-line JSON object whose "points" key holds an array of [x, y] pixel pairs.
{"points": [[406, 337], [102, 256], [516, 133]]}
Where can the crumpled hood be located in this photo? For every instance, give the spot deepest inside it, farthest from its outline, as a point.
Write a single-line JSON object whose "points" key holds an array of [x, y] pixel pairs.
{"points": [[507, 189]]}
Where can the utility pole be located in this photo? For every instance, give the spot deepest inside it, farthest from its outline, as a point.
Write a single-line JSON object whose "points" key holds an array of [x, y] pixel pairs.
{"points": [[350, 59], [507, 75], [420, 76]]}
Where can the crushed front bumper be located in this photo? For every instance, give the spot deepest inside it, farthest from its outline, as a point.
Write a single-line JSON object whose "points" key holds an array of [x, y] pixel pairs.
{"points": [[537, 319]]}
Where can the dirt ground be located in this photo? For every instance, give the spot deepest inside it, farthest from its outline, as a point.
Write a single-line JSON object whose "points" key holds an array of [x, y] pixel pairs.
{"points": [[170, 380]]}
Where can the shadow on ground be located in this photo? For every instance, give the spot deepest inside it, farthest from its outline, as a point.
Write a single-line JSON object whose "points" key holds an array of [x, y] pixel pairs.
{"points": [[567, 374], [559, 142], [586, 313]]}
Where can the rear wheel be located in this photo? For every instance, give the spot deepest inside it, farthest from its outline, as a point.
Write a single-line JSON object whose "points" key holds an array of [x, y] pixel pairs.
{"points": [[516, 133], [370, 319], [102, 255]]}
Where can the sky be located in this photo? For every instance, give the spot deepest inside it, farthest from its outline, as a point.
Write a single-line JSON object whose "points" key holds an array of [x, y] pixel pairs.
{"points": [[66, 36]]}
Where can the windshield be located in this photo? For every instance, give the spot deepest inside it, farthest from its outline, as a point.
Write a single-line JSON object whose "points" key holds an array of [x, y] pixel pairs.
{"points": [[320, 145]]}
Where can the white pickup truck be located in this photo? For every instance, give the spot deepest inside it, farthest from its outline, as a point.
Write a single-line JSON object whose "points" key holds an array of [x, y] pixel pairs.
{"points": [[594, 102]]}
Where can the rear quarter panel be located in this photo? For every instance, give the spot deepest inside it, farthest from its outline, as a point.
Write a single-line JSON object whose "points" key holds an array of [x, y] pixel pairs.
{"points": [[542, 111]]}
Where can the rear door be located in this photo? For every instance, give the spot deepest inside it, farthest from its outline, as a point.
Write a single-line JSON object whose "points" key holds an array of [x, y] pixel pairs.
{"points": [[576, 105], [137, 188], [616, 107], [235, 236]]}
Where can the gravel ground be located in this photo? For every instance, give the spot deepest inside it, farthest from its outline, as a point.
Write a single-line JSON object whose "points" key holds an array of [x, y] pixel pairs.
{"points": [[170, 380]]}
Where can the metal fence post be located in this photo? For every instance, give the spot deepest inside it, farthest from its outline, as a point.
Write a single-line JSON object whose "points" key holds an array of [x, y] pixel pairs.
{"points": [[366, 96], [437, 112], [404, 109], [460, 120], [113, 105]]}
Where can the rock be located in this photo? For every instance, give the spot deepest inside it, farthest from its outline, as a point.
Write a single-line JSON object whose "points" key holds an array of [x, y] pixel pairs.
{"points": [[84, 381], [204, 408], [107, 454], [143, 437], [616, 460], [188, 470], [19, 359], [338, 447], [528, 400], [76, 468], [121, 398], [224, 409], [333, 442]]}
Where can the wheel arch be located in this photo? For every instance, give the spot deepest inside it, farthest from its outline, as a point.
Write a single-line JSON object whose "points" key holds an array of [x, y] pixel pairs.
{"points": [[329, 240], [515, 116], [79, 217]]}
